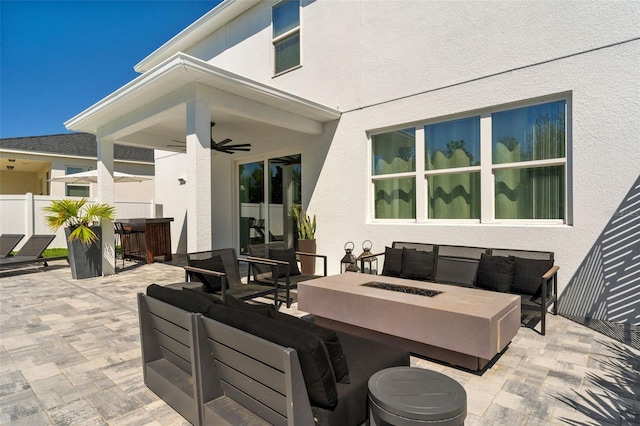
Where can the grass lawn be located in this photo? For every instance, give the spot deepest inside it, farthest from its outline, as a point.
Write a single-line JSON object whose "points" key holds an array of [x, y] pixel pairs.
{"points": [[52, 252]]}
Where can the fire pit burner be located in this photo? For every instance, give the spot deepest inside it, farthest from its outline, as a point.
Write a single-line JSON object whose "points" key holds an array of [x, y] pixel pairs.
{"points": [[403, 288]]}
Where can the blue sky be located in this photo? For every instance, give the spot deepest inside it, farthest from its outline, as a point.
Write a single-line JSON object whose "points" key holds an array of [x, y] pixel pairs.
{"points": [[58, 58]]}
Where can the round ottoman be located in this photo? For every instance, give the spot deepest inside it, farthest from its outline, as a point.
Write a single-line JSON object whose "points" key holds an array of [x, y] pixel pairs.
{"points": [[414, 396]]}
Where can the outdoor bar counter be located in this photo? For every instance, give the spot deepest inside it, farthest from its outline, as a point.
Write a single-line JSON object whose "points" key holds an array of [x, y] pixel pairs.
{"points": [[156, 237]]}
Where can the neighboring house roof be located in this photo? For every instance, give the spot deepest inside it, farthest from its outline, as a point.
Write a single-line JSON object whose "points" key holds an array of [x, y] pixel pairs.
{"points": [[74, 144]]}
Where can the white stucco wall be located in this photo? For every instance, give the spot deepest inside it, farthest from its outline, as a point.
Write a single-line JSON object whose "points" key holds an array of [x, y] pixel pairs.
{"points": [[171, 195], [385, 64]]}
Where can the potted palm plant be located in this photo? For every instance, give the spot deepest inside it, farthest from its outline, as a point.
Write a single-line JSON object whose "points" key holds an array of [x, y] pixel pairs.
{"points": [[83, 232], [306, 233]]}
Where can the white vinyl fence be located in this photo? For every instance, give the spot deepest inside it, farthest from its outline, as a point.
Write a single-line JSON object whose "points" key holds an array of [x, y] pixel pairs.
{"points": [[22, 214]]}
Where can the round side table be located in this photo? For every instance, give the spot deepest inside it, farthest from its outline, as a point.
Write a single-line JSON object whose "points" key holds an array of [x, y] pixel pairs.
{"points": [[406, 396]]}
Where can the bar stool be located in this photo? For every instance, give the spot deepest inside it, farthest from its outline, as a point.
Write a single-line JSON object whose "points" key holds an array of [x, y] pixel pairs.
{"points": [[129, 239], [121, 240]]}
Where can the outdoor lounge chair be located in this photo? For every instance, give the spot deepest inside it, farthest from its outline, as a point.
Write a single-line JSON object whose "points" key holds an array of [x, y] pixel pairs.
{"points": [[31, 252], [215, 267], [288, 270], [8, 242]]}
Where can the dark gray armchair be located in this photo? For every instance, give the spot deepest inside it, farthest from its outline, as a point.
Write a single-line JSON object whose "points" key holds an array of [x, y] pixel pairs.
{"points": [[287, 273], [219, 272]]}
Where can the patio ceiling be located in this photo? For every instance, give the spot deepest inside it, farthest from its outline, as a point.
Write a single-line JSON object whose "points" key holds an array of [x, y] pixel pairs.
{"points": [[150, 111]]}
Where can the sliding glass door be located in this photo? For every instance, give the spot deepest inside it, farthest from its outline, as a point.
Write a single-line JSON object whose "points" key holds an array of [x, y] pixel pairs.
{"points": [[267, 190]]}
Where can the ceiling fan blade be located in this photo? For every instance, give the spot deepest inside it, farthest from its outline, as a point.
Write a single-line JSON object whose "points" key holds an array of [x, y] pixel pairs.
{"points": [[177, 141], [224, 142]]}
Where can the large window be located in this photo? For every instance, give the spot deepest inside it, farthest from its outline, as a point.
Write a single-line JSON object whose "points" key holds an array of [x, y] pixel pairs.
{"points": [[497, 166], [286, 35], [77, 189]]}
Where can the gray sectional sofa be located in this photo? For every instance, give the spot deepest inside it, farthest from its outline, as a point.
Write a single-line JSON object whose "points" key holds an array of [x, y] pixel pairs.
{"points": [[199, 352], [530, 274]]}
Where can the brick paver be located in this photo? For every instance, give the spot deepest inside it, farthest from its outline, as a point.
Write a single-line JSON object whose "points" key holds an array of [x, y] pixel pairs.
{"points": [[70, 354]]}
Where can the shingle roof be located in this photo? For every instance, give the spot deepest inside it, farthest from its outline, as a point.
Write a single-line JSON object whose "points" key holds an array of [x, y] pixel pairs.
{"points": [[74, 144]]}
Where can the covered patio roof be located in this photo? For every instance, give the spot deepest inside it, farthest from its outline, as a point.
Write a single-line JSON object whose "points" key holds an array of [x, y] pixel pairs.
{"points": [[150, 111]]}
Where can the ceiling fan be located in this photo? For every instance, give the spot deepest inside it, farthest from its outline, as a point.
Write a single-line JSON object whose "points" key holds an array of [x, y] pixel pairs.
{"points": [[221, 146]]}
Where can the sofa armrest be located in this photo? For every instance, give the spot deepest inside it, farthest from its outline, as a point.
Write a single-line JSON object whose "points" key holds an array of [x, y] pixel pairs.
{"points": [[189, 270], [551, 272], [550, 287], [322, 256]]}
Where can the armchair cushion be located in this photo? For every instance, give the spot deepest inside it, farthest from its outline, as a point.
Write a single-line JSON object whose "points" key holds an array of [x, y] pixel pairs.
{"points": [[312, 353], [392, 262], [260, 309], [417, 264], [527, 275], [211, 283], [495, 272], [285, 255], [328, 336]]}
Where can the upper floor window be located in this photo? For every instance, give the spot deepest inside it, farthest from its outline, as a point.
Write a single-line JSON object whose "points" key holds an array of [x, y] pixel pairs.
{"points": [[286, 35], [500, 165], [77, 189]]}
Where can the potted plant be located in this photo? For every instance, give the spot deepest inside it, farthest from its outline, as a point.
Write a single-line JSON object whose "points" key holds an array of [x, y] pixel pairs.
{"points": [[83, 232], [306, 233]]}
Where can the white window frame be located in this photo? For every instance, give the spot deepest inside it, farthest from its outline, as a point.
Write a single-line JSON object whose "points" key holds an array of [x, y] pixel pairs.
{"points": [[275, 40], [486, 168]]}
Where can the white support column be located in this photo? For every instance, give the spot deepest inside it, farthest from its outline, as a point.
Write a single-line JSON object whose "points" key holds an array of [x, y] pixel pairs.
{"points": [[199, 185], [106, 195]]}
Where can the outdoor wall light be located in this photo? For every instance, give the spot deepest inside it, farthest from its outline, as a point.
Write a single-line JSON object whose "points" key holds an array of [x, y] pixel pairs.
{"points": [[9, 167], [370, 262], [182, 181], [348, 262], [12, 160]]}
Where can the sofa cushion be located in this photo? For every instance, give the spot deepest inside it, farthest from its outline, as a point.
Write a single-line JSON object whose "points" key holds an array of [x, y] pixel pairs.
{"points": [[527, 275], [417, 264], [365, 358], [495, 272], [392, 266], [328, 336], [312, 352], [180, 299], [211, 282], [285, 255]]}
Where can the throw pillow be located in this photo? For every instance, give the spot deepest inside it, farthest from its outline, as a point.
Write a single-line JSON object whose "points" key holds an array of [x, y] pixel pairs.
{"points": [[527, 275], [328, 336], [495, 272], [211, 282], [179, 299], [417, 264], [285, 255], [312, 352], [392, 266]]}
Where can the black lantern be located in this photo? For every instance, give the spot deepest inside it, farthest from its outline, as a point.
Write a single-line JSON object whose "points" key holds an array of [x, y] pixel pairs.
{"points": [[349, 262], [369, 262]]}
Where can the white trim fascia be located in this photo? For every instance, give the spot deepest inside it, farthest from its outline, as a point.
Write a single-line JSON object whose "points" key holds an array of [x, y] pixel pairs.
{"points": [[76, 157], [184, 69], [213, 20]]}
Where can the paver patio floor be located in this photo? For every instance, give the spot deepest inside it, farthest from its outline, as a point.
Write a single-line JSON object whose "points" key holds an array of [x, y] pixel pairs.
{"points": [[70, 354]]}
